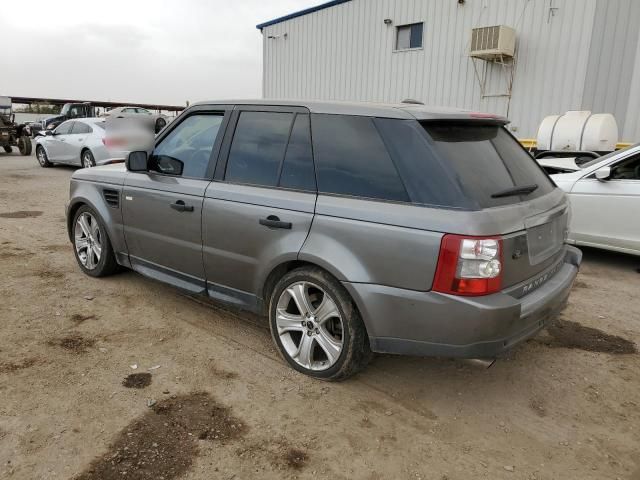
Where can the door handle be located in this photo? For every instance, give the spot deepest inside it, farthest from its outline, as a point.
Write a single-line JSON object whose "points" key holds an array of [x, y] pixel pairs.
{"points": [[274, 222], [181, 206]]}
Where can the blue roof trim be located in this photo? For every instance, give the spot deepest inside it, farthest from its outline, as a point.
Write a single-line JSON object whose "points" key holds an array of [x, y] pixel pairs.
{"points": [[301, 13]]}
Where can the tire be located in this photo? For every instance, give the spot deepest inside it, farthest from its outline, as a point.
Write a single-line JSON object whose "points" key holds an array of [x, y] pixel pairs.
{"points": [[306, 347], [87, 160], [24, 145], [7, 149], [41, 155], [160, 124], [88, 234]]}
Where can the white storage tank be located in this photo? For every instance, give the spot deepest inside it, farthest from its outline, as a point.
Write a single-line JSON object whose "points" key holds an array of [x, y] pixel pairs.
{"points": [[578, 130]]}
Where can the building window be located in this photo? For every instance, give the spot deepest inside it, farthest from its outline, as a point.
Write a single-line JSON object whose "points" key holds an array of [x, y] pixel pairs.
{"points": [[409, 36]]}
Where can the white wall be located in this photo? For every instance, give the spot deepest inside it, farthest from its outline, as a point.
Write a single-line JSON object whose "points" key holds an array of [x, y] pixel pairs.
{"points": [[346, 53]]}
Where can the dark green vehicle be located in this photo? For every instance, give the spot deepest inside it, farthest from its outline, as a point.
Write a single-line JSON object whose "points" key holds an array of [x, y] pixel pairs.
{"points": [[11, 133]]}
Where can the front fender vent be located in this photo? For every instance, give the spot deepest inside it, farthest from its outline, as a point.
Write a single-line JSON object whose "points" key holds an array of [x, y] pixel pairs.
{"points": [[112, 197]]}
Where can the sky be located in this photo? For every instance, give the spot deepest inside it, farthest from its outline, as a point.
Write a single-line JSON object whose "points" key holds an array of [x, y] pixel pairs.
{"points": [[165, 52]]}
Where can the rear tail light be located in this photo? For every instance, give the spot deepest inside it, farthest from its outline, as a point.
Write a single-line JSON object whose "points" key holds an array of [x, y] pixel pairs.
{"points": [[469, 266]]}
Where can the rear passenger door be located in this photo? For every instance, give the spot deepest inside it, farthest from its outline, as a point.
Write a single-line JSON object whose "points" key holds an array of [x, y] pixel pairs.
{"points": [[258, 211]]}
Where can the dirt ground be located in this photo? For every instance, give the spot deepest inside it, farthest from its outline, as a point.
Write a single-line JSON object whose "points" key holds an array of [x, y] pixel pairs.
{"points": [[215, 401]]}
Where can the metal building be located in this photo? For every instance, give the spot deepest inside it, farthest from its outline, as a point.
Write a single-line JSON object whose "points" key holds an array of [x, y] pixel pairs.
{"points": [[567, 55]]}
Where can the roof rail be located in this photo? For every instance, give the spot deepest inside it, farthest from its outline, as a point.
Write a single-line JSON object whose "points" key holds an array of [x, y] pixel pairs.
{"points": [[412, 101]]}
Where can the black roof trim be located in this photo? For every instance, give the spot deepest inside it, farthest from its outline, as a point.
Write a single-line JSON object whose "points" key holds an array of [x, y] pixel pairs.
{"points": [[301, 13]]}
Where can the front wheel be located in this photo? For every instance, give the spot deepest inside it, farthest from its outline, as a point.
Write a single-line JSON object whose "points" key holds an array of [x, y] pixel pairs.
{"points": [[91, 243], [24, 145], [7, 149], [41, 155], [316, 326]]}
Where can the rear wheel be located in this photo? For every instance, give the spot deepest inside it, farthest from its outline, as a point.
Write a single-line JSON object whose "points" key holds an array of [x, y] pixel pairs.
{"points": [[87, 159], [316, 325], [7, 149], [24, 145], [41, 155], [91, 244]]}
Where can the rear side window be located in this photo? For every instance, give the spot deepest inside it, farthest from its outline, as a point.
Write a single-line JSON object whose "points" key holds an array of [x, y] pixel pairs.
{"points": [[351, 159], [485, 160], [79, 127], [272, 149], [258, 147], [297, 168]]}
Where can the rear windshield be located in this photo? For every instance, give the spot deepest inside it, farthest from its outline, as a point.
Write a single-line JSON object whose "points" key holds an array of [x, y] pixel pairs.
{"points": [[461, 164]]}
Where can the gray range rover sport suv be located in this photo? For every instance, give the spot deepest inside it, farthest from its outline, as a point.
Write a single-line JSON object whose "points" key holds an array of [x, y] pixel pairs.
{"points": [[356, 228]]}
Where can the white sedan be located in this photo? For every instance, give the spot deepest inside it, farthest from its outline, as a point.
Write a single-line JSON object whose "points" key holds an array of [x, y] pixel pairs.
{"points": [[79, 142], [605, 201]]}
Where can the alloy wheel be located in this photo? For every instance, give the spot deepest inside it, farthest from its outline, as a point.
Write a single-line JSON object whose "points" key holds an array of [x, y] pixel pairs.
{"points": [[310, 326], [87, 161], [42, 159], [88, 240]]}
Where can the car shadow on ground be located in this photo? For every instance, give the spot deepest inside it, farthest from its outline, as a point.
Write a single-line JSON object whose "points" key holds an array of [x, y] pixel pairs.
{"points": [[606, 258]]}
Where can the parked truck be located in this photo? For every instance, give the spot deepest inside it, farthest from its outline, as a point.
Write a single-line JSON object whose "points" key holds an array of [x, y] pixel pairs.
{"points": [[13, 134]]}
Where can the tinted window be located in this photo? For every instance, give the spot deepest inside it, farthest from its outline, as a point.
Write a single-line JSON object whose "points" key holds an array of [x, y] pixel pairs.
{"points": [[484, 160], [189, 146], [143, 110], [628, 169], [297, 169], [427, 180], [352, 160], [64, 128], [79, 127], [258, 147]]}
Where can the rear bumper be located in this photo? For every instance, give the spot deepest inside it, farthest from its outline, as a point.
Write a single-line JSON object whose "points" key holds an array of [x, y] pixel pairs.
{"points": [[434, 324]]}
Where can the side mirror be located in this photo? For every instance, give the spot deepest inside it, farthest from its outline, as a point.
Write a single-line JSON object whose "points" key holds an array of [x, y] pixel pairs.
{"points": [[137, 162], [603, 173], [48, 133]]}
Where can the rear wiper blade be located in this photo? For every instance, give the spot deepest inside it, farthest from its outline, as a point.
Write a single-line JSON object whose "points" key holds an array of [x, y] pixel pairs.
{"points": [[523, 190]]}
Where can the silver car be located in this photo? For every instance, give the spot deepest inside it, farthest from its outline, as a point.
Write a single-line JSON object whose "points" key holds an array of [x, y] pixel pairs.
{"points": [[76, 142], [356, 228]]}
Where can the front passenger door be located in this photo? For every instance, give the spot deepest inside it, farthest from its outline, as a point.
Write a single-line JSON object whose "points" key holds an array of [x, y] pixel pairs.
{"points": [[57, 148], [162, 208]]}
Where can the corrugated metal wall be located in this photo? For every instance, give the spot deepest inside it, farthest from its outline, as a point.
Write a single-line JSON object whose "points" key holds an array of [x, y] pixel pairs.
{"points": [[346, 53], [613, 49]]}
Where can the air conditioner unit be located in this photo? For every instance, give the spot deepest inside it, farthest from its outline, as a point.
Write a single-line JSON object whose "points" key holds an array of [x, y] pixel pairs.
{"points": [[489, 43]]}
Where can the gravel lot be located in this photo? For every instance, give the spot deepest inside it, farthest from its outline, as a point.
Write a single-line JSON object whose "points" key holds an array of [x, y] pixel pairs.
{"points": [[211, 399]]}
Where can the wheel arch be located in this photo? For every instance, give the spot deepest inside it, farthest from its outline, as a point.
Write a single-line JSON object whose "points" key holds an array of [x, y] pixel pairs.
{"points": [[285, 267], [85, 149]]}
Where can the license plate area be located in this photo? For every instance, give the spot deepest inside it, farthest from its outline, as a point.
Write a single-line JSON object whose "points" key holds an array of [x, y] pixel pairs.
{"points": [[545, 235]]}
